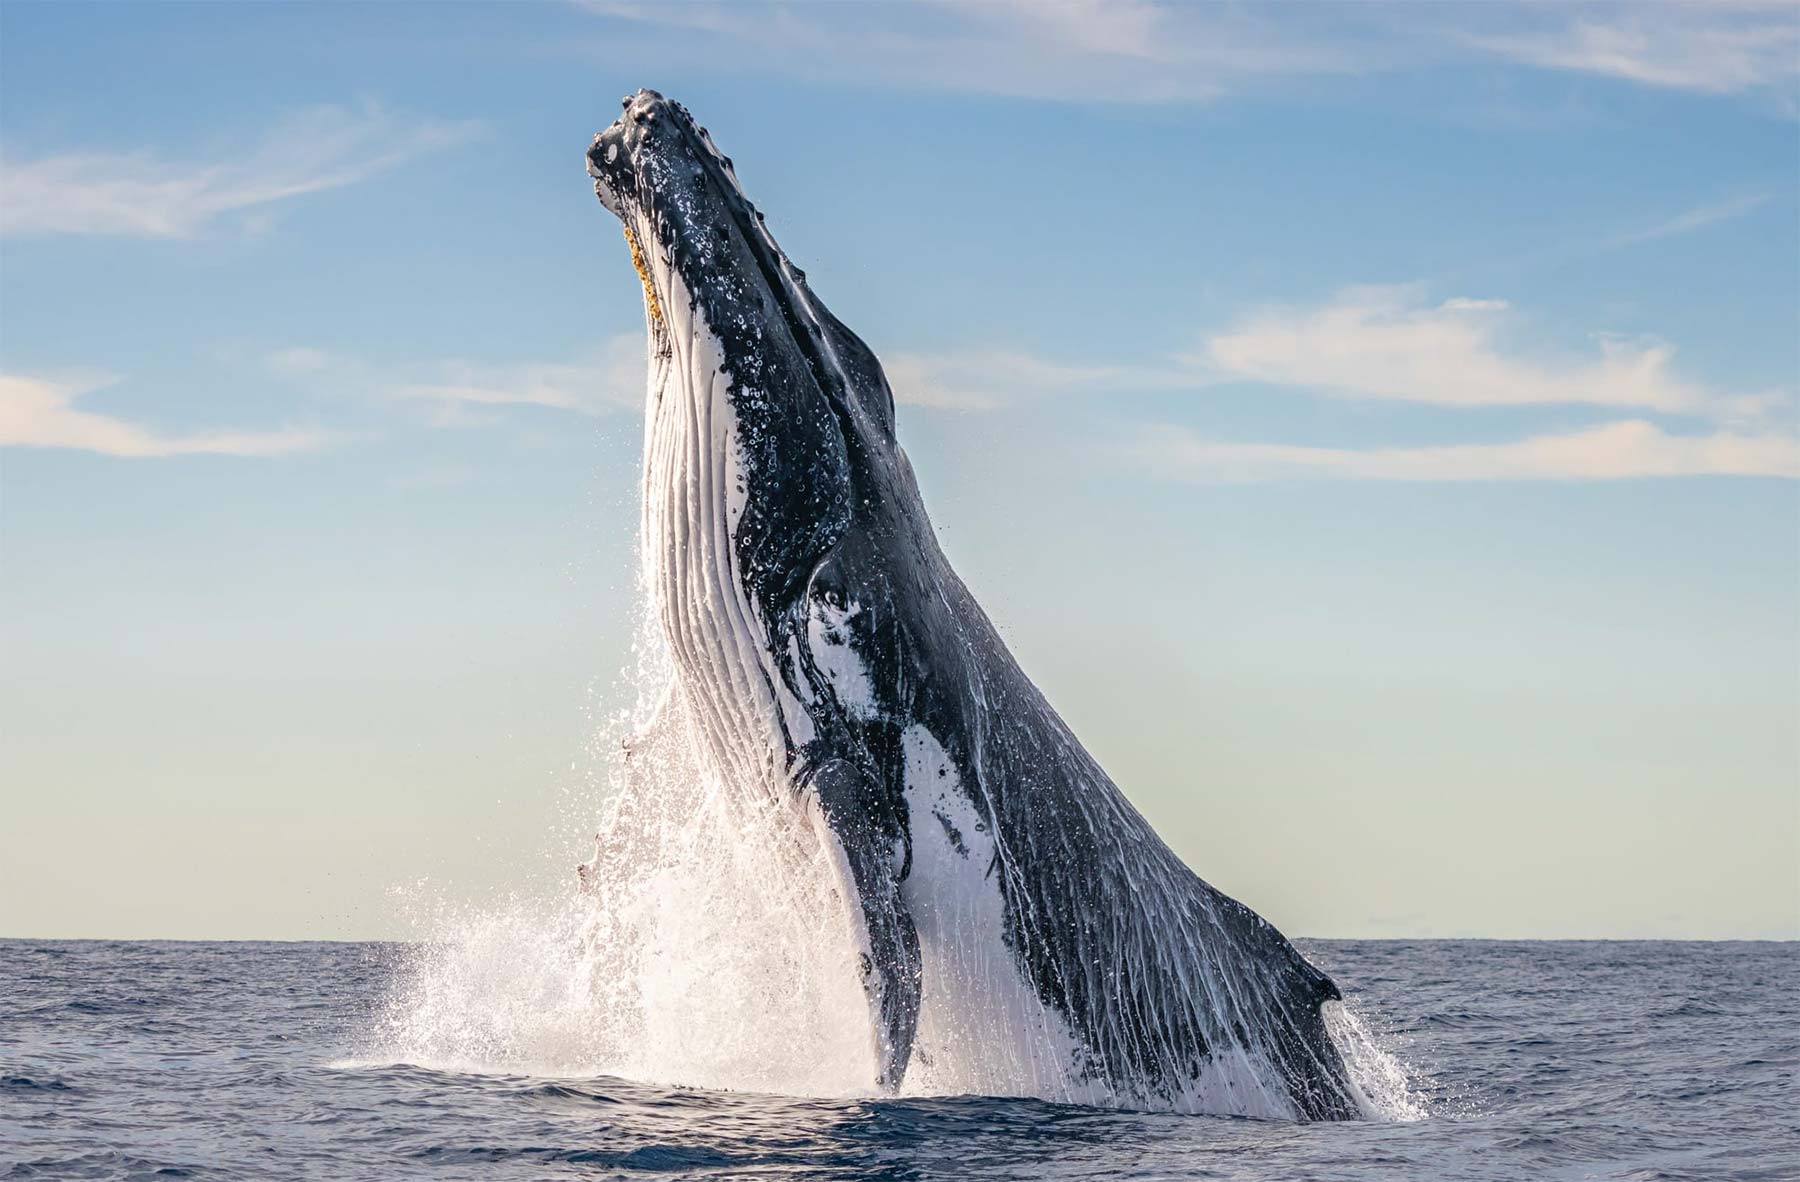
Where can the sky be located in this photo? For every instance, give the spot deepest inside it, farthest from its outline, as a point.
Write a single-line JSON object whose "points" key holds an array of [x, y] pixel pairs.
{"points": [[1372, 426]]}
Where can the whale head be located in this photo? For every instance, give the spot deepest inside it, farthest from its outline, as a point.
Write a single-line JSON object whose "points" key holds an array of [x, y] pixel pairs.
{"points": [[807, 418]]}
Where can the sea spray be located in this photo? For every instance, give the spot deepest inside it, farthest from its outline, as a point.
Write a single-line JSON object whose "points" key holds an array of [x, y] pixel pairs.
{"points": [[705, 944], [1382, 1086], [691, 969]]}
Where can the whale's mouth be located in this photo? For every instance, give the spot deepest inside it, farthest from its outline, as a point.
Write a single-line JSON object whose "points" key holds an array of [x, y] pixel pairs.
{"points": [[609, 157], [610, 153]]}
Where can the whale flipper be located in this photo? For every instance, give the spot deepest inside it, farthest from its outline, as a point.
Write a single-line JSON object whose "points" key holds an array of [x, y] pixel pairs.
{"points": [[875, 861]]}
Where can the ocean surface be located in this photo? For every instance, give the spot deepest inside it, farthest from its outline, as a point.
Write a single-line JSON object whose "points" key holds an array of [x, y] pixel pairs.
{"points": [[1634, 1060]]}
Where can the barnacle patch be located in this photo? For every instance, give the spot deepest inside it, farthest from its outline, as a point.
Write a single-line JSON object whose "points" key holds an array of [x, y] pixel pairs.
{"points": [[643, 270]]}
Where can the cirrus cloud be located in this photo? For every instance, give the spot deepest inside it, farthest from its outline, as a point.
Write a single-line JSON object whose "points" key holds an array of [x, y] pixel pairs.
{"points": [[138, 194], [1630, 449], [1710, 46], [42, 413], [1164, 51], [457, 392]]}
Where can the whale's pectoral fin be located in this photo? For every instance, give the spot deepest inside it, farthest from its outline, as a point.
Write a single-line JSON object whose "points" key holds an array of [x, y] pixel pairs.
{"points": [[874, 844]]}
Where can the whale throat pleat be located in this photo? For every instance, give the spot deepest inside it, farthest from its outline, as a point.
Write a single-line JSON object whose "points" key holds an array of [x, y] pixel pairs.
{"points": [[688, 521]]}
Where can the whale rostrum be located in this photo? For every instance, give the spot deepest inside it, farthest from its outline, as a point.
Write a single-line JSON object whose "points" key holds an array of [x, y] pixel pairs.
{"points": [[828, 657]]}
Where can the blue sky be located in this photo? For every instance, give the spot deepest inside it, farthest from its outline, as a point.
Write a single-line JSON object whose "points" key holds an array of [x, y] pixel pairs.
{"points": [[1373, 426]]}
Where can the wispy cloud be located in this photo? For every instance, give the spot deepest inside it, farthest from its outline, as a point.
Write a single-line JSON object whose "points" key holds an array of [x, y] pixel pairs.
{"points": [[605, 382], [1387, 343], [42, 412], [1138, 51], [1372, 343], [1697, 218], [45, 412], [142, 195], [1128, 51], [1626, 450], [1391, 344], [987, 379], [1714, 46], [453, 392]]}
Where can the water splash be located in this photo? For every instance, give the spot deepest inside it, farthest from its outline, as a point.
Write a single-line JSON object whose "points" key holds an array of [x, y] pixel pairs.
{"points": [[705, 945], [1380, 1081]]}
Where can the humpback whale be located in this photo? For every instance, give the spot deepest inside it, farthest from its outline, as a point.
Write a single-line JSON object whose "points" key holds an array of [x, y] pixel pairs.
{"points": [[829, 658]]}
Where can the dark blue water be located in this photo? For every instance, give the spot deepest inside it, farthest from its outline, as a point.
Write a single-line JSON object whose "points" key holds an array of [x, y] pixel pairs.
{"points": [[1534, 1060]]}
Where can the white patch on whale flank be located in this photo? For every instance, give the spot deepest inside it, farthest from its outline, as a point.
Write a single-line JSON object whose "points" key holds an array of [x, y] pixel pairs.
{"points": [[828, 640], [982, 1029]]}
